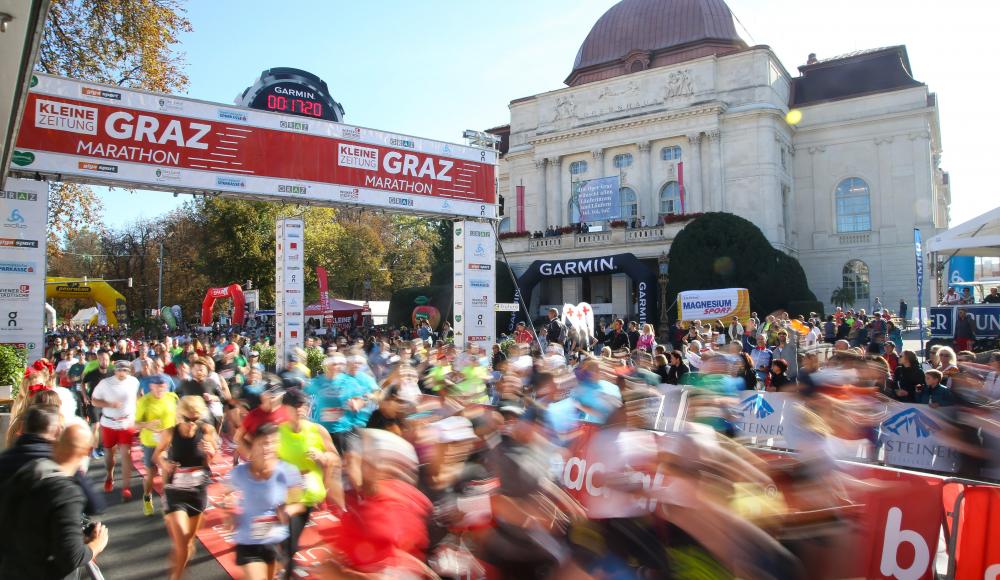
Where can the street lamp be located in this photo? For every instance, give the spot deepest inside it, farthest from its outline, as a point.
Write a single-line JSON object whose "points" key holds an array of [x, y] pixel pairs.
{"points": [[159, 286]]}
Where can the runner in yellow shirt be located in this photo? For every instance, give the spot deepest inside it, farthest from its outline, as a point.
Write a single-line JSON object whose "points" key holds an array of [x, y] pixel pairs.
{"points": [[155, 412]]}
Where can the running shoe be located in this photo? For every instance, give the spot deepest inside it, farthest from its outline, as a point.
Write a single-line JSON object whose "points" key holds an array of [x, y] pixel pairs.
{"points": [[109, 485], [147, 505], [126, 495]]}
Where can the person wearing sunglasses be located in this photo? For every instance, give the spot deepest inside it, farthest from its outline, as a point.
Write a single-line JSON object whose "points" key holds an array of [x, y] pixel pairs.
{"points": [[190, 446]]}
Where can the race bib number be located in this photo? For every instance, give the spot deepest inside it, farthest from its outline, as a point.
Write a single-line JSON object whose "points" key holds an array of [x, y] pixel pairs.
{"points": [[262, 527], [188, 478], [331, 415]]}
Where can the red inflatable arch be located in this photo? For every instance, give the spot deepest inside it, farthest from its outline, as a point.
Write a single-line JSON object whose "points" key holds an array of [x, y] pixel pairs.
{"points": [[234, 292]]}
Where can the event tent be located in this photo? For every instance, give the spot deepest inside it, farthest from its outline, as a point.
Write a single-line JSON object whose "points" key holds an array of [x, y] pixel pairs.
{"points": [[979, 236], [336, 308], [85, 315]]}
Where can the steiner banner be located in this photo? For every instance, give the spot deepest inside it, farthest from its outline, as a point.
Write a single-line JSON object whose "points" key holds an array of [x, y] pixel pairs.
{"points": [[79, 131], [910, 437], [599, 199], [713, 304]]}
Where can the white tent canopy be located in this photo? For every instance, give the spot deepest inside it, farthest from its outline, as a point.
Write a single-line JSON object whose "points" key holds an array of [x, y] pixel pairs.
{"points": [[85, 315], [979, 236]]}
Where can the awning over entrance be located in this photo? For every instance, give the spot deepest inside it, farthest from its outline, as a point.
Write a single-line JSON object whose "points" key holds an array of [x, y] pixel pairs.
{"points": [[979, 236], [21, 25]]}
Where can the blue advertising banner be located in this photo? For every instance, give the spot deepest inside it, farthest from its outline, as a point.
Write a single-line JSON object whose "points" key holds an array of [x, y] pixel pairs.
{"points": [[961, 269], [919, 248], [598, 199]]}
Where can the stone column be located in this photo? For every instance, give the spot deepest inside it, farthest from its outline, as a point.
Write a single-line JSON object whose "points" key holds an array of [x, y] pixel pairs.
{"points": [[693, 175], [718, 202], [572, 291], [621, 298], [645, 195], [553, 166], [539, 216]]}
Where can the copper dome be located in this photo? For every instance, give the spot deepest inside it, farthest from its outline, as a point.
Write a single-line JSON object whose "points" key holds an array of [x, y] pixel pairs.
{"points": [[645, 31]]}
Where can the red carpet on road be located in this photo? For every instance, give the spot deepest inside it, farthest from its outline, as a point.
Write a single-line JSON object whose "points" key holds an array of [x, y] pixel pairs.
{"points": [[217, 535]]}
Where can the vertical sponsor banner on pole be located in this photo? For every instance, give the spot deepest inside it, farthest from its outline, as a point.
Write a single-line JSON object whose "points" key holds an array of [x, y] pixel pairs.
{"points": [[23, 215], [919, 250], [288, 292], [458, 284], [475, 284]]}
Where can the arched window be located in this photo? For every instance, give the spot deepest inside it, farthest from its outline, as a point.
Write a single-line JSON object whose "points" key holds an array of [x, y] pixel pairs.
{"points": [[670, 199], [853, 206], [504, 226], [630, 204], [670, 153], [578, 167], [622, 160], [856, 279]]}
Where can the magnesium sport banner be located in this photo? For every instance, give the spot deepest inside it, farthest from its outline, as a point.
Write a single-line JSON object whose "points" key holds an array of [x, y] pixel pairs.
{"points": [[474, 284], [713, 304], [599, 199], [101, 134], [289, 300], [23, 216]]}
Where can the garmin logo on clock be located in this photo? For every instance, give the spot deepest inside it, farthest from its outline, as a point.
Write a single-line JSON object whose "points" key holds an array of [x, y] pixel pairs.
{"points": [[295, 93]]}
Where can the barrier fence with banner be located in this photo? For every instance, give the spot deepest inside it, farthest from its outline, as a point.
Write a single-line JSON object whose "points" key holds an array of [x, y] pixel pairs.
{"points": [[898, 525]]}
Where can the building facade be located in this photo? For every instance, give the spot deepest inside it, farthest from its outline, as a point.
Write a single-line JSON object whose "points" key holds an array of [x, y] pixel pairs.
{"points": [[665, 95]]}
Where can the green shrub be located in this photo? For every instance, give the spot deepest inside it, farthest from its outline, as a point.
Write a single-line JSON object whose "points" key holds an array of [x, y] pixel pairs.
{"points": [[268, 357], [314, 360], [13, 361], [721, 250]]}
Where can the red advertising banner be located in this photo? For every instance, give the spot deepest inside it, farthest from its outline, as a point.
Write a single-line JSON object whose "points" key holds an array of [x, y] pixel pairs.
{"points": [[101, 134]]}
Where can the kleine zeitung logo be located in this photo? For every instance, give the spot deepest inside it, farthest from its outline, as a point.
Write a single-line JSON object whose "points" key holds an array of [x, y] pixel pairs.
{"points": [[65, 117], [356, 156]]}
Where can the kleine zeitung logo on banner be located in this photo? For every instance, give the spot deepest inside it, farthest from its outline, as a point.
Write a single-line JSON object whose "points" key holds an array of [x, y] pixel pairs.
{"points": [[65, 117], [356, 156]]}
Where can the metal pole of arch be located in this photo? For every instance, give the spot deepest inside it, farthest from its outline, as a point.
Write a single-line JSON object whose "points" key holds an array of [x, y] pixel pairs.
{"points": [[517, 289]]}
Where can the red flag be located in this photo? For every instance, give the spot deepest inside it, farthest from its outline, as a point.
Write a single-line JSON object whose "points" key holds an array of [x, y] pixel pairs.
{"points": [[324, 295], [680, 182]]}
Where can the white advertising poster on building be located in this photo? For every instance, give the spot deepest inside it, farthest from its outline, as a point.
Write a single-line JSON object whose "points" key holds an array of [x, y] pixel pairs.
{"points": [[474, 284], [288, 292], [23, 215]]}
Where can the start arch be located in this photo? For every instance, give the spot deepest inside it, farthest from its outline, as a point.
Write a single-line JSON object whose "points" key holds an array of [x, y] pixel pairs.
{"points": [[100, 292], [235, 293]]}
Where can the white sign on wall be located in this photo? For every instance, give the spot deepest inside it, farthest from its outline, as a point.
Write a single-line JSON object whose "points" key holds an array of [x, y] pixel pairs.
{"points": [[23, 215], [474, 284], [288, 292]]}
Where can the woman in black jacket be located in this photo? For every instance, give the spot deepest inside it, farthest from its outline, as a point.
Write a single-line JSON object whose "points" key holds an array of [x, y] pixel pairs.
{"points": [[678, 368], [908, 376], [662, 369]]}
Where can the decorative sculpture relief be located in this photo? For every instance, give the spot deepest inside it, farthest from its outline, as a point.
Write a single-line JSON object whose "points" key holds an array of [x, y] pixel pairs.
{"points": [[565, 108], [628, 90], [678, 84]]}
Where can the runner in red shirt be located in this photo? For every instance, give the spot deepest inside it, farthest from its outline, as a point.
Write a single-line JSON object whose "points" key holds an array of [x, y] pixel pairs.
{"points": [[269, 411]]}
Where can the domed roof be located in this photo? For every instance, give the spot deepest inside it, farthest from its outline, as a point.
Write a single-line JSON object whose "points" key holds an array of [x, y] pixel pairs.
{"points": [[655, 25]]}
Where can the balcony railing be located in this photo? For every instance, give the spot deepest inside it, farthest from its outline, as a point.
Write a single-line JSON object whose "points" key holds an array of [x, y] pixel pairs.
{"points": [[614, 236]]}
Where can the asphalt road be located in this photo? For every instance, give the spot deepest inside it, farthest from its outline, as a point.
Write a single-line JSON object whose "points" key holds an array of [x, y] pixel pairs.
{"points": [[139, 545]]}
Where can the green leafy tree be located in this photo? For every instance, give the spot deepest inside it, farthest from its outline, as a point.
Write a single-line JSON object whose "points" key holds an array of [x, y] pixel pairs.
{"points": [[721, 250], [843, 297], [130, 43]]}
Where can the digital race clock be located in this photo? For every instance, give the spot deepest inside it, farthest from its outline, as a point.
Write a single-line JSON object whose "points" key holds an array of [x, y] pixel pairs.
{"points": [[294, 92]]}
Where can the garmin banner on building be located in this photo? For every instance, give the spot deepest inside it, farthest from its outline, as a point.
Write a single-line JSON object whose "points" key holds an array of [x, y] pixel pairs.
{"points": [[289, 300], [598, 199], [474, 285], [713, 304], [23, 216], [643, 278], [106, 134]]}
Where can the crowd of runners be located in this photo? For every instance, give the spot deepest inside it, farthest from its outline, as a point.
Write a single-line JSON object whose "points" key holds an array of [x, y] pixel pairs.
{"points": [[440, 462]]}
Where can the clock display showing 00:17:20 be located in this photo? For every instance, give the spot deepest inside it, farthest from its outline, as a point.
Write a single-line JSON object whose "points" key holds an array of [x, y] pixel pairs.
{"points": [[294, 105]]}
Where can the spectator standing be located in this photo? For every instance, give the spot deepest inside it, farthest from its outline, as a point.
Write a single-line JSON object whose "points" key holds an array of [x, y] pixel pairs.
{"points": [[965, 331]]}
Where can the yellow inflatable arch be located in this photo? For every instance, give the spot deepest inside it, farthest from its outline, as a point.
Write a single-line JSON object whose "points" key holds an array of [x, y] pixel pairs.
{"points": [[100, 292]]}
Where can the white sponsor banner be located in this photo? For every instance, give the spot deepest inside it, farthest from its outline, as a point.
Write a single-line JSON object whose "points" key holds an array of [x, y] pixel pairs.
{"points": [[475, 288], [762, 416], [288, 292], [23, 215], [910, 437], [712, 304]]}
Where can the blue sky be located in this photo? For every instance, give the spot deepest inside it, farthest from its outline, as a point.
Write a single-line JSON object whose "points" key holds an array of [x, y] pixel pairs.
{"points": [[434, 68]]}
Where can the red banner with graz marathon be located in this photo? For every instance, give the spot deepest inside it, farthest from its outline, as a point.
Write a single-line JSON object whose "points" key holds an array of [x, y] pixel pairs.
{"points": [[110, 135]]}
